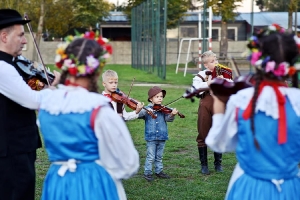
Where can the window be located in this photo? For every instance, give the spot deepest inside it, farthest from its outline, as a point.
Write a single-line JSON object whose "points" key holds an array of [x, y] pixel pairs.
{"points": [[231, 33], [188, 32]]}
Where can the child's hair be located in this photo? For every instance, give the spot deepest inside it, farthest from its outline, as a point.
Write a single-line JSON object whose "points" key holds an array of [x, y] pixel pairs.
{"points": [[81, 48], [206, 55], [280, 47], [109, 73]]}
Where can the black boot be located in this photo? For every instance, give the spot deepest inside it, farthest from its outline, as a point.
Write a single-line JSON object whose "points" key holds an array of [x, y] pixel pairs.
{"points": [[203, 160], [218, 161]]}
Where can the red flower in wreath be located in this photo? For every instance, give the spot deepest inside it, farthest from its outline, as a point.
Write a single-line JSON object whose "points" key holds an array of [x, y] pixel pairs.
{"points": [[73, 70]]}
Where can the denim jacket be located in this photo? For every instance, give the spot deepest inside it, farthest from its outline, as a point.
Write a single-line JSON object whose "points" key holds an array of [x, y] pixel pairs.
{"points": [[155, 129]]}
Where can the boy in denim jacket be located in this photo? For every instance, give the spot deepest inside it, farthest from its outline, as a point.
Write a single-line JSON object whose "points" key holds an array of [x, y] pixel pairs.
{"points": [[156, 134]]}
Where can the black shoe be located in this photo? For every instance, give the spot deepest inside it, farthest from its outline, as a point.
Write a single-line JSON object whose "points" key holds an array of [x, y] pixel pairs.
{"points": [[204, 170], [162, 175], [148, 177], [218, 168]]}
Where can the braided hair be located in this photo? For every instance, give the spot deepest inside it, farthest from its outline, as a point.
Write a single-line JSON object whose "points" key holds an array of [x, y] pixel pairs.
{"points": [[279, 47], [81, 48]]}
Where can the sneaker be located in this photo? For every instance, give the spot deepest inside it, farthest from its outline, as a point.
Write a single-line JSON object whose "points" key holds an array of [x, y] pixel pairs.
{"points": [[148, 177], [162, 175]]}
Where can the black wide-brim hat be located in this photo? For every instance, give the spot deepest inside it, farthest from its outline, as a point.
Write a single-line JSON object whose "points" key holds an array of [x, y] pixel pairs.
{"points": [[9, 17]]}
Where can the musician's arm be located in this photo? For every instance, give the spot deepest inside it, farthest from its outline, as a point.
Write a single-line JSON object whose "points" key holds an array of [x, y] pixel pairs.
{"points": [[198, 82], [14, 87], [222, 136]]}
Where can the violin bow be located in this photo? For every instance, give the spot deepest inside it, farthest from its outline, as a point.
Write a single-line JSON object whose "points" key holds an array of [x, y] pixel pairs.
{"points": [[37, 48], [163, 106], [130, 89]]}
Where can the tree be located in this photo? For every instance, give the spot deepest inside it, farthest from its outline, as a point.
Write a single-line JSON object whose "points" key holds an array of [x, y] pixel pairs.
{"points": [[175, 10], [225, 9], [289, 6], [61, 15]]}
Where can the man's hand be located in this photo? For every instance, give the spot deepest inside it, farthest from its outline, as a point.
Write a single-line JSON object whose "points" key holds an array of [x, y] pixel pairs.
{"points": [[56, 79]]}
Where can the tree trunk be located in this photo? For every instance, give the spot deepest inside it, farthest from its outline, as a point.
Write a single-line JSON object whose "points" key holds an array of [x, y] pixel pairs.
{"points": [[39, 30], [290, 20], [224, 40], [291, 8]]}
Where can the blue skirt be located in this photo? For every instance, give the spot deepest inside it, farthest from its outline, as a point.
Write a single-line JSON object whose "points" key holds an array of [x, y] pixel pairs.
{"points": [[89, 181], [250, 188]]}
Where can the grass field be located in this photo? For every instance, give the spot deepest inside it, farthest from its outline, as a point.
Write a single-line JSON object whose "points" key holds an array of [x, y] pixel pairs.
{"points": [[181, 160]]}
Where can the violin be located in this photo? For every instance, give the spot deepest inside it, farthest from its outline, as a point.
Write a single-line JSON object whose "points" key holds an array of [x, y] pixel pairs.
{"points": [[166, 110], [119, 97], [223, 88], [33, 75]]}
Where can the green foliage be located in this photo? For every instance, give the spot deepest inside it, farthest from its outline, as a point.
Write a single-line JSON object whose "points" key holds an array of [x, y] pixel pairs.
{"points": [[62, 15], [225, 8], [175, 10], [278, 5]]}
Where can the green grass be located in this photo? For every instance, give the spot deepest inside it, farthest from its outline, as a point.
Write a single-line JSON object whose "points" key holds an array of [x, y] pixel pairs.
{"points": [[181, 160]]}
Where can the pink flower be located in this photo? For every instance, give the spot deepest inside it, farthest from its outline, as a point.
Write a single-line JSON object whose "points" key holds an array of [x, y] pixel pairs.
{"points": [[270, 66], [255, 56], [282, 69]]}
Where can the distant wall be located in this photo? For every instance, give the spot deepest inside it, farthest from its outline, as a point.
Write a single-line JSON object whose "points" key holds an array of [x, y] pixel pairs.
{"points": [[122, 50]]}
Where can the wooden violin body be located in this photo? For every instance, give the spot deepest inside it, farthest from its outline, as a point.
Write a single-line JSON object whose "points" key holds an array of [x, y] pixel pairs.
{"points": [[166, 110], [223, 89], [120, 97], [32, 74]]}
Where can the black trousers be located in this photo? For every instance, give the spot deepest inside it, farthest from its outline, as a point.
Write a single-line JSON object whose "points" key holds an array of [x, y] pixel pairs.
{"points": [[17, 177]]}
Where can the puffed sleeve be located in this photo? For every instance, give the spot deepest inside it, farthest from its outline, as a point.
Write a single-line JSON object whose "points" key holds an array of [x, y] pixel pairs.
{"points": [[116, 149], [222, 136], [129, 115], [13, 87], [198, 82]]}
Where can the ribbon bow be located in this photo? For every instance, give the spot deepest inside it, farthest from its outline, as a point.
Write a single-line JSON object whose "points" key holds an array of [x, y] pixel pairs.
{"points": [[69, 165], [282, 136]]}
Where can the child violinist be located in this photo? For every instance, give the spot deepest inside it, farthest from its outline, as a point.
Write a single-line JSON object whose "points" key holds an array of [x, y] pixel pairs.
{"points": [[110, 84], [205, 111], [156, 134]]}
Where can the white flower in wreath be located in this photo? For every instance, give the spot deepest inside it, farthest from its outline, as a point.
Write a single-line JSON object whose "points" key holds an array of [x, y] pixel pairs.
{"points": [[272, 28]]}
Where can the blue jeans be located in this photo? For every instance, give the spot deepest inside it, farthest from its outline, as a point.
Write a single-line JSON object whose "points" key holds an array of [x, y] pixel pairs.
{"points": [[155, 150]]}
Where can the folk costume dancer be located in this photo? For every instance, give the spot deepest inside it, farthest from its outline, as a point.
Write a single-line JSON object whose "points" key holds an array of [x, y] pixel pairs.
{"points": [[89, 145], [262, 123]]}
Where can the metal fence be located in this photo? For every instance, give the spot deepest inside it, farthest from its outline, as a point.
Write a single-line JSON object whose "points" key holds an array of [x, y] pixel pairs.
{"points": [[148, 37]]}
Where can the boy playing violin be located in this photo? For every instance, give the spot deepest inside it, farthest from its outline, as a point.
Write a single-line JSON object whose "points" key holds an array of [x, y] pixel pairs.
{"points": [[205, 111], [110, 84], [156, 133]]}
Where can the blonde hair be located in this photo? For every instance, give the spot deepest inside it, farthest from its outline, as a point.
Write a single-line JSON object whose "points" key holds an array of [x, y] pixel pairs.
{"points": [[109, 73], [206, 55]]}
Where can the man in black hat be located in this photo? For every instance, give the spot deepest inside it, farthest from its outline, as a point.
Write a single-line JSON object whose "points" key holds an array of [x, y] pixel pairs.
{"points": [[19, 136]]}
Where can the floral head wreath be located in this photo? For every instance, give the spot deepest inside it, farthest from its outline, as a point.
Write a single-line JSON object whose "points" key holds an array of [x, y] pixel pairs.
{"points": [[76, 68], [264, 63]]}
